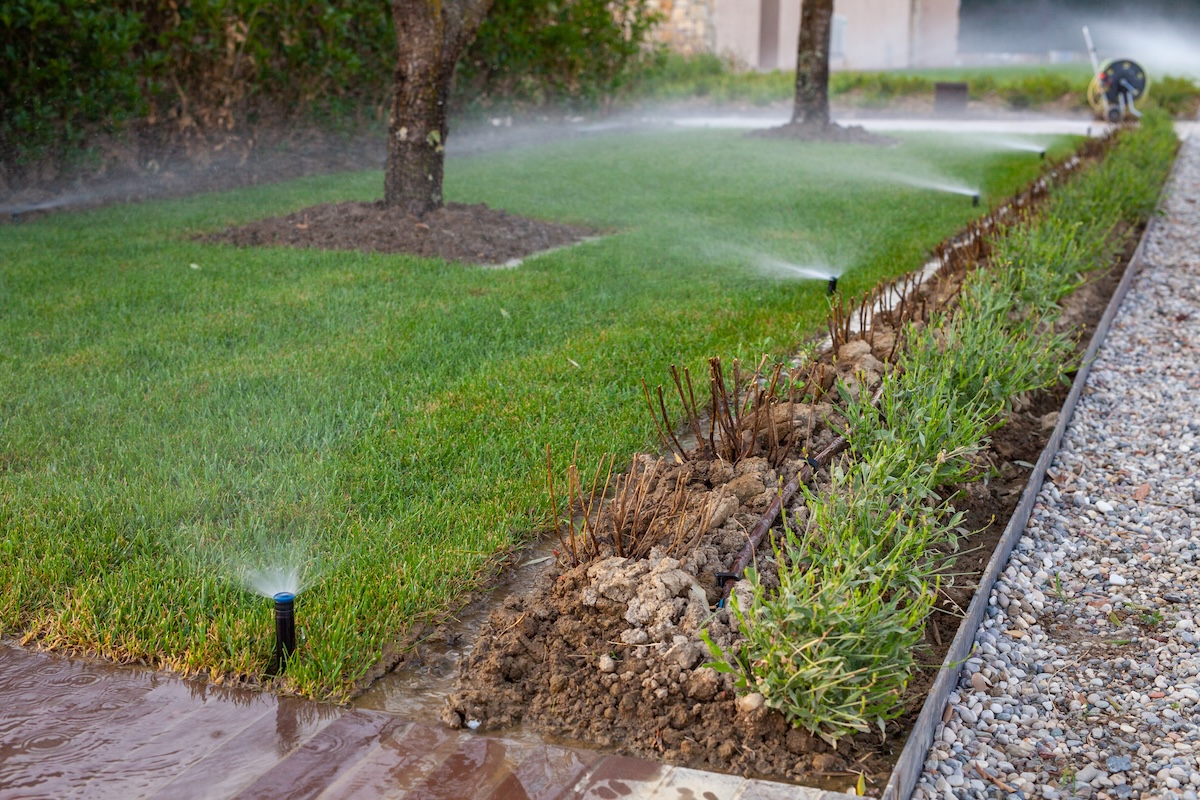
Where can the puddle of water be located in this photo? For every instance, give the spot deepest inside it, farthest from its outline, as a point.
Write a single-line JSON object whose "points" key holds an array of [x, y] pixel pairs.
{"points": [[418, 690]]}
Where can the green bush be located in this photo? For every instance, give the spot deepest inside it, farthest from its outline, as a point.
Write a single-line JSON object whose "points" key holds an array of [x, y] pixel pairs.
{"points": [[1043, 88], [65, 66], [707, 77], [1177, 96], [833, 646], [878, 89], [535, 52], [69, 68]]}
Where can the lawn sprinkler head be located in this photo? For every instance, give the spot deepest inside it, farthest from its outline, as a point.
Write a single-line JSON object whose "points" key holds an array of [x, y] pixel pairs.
{"points": [[975, 199], [832, 287], [285, 630], [1042, 154]]}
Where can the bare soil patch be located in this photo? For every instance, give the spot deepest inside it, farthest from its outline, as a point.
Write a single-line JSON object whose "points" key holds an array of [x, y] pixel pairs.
{"points": [[468, 233]]}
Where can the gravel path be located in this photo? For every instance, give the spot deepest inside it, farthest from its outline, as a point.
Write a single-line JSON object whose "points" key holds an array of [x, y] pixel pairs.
{"points": [[1085, 680]]}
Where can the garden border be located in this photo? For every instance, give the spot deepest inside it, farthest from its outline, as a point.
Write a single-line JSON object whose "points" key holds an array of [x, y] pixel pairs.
{"points": [[911, 762]]}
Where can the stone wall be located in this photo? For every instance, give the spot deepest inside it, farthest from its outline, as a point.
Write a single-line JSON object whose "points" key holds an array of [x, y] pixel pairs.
{"points": [[688, 25]]}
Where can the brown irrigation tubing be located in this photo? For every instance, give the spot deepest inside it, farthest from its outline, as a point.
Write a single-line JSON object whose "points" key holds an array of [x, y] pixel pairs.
{"points": [[768, 518]]}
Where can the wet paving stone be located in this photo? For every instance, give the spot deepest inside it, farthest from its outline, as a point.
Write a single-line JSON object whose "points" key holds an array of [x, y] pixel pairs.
{"points": [[77, 729]]}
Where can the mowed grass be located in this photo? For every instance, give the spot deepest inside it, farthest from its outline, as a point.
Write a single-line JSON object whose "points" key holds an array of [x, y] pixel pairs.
{"points": [[172, 410]]}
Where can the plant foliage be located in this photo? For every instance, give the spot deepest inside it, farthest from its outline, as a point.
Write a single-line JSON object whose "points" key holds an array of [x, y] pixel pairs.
{"points": [[70, 68], [833, 647]]}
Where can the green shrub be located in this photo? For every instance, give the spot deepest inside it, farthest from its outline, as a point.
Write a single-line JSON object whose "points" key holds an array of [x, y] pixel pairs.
{"points": [[1177, 96], [72, 67], [710, 78], [534, 52], [833, 647], [1031, 91], [65, 66], [878, 89]]}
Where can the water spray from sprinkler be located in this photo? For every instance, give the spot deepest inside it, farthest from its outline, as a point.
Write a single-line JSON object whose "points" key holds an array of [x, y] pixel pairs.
{"points": [[285, 631]]}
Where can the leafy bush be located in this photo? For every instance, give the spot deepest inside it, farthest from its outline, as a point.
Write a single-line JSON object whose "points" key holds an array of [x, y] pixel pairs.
{"points": [[833, 647], [1177, 96], [65, 65], [534, 52], [878, 89], [72, 67], [1030, 91], [711, 78], [214, 63]]}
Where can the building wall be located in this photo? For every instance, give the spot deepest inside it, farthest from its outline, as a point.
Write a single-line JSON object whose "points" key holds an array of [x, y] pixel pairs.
{"points": [[764, 34], [689, 25], [738, 24], [935, 33], [877, 33]]}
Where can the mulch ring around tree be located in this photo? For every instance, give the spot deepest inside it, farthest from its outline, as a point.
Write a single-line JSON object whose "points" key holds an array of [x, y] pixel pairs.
{"points": [[830, 132], [473, 234]]}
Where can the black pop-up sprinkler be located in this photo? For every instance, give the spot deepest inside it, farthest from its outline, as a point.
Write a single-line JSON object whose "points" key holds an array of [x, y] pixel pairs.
{"points": [[285, 631], [1042, 154], [975, 199], [832, 284]]}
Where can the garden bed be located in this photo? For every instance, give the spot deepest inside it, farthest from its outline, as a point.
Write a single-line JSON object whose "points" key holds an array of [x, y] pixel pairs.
{"points": [[612, 648]]}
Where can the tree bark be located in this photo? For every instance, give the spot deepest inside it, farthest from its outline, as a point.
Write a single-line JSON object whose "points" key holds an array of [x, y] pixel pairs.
{"points": [[811, 104], [431, 35]]}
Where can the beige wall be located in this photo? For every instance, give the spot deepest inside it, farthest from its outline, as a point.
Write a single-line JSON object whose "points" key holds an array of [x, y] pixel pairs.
{"points": [[737, 29], [877, 33], [789, 33], [935, 33], [880, 34]]}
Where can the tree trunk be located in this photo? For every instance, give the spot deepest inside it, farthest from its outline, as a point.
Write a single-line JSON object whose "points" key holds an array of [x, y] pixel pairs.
{"points": [[811, 105], [431, 35]]}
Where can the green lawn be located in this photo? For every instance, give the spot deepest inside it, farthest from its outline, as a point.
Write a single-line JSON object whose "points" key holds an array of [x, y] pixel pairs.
{"points": [[384, 418]]}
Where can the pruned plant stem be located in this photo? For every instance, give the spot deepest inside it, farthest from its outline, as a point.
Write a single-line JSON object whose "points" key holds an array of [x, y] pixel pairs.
{"points": [[782, 498]]}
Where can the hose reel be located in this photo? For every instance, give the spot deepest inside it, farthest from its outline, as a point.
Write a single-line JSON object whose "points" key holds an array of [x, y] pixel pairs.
{"points": [[1116, 86]]}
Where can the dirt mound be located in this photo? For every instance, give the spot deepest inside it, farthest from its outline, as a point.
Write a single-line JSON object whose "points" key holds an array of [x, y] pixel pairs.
{"points": [[469, 233], [610, 650]]}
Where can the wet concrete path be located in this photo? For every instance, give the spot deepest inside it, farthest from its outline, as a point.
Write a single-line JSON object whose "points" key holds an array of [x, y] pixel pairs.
{"points": [[71, 728]]}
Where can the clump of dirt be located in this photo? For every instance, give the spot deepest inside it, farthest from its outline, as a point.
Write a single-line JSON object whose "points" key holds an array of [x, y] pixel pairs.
{"points": [[828, 132], [468, 233]]}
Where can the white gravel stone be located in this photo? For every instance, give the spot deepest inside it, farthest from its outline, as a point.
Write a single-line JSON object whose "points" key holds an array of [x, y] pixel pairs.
{"points": [[1085, 678]]}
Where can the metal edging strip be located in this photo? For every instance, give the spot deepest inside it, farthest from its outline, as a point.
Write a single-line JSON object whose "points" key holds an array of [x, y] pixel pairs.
{"points": [[912, 758]]}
